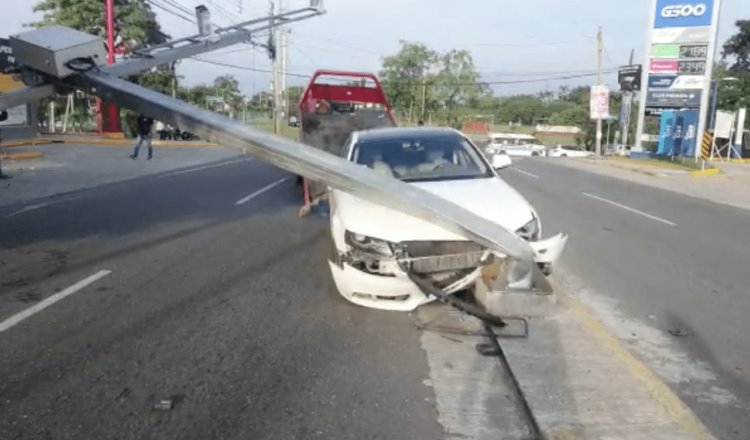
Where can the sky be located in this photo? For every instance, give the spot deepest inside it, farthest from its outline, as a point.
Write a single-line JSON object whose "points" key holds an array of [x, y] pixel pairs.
{"points": [[509, 41]]}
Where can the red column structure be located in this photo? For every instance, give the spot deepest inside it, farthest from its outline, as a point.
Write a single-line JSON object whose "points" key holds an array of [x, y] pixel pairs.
{"points": [[110, 112]]}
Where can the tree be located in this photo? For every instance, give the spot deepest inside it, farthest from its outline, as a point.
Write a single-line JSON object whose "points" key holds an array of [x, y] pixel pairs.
{"points": [[457, 81], [135, 22], [734, 85], [196, 95], [738, 47], [524, 109], [159, 79], [228, 89], [406, 73], [577, 116]]}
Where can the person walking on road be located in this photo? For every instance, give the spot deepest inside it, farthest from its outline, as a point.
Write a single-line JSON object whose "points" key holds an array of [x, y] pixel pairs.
{"points": [[144, 125]]}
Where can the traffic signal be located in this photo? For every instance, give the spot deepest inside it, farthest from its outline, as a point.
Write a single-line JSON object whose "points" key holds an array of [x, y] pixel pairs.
{"points": [[629, 78]]}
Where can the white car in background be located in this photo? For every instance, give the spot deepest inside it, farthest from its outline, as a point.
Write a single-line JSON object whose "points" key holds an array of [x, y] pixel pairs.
{"points": [[619, 150], [569, 151], [513, 144], [373, 246]]}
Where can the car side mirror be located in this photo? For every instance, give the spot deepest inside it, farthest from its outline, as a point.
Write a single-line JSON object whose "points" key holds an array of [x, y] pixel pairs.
{"points": [[500, 161]]}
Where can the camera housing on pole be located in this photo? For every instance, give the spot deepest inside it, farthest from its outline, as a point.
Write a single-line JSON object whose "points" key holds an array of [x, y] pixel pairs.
{"points": [[205, 27]]}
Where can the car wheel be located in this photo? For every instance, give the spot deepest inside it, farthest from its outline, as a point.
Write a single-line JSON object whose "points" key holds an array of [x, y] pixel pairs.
{"points": [[563, 155], [534, 154]]}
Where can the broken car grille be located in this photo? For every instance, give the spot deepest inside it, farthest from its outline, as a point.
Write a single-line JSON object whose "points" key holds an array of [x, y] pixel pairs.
{"points": [[429, 257], [443, 263]]}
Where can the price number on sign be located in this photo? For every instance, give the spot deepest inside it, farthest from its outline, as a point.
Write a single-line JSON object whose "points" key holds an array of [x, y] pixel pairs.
{"points": [[694, 51], [692, 68]]}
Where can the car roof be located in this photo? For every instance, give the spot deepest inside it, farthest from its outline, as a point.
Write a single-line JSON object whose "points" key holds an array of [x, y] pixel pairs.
{"points": [[390, 133]]}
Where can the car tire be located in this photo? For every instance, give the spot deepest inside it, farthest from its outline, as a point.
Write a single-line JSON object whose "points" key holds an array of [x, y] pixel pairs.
{"points": [[534, 154], [563, 155]]}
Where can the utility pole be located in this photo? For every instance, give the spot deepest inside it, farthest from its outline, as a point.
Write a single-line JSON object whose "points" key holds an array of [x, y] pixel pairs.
{"points": [[627, 103], [284, 43], [277, 66], [599, 82], [424, 96]]}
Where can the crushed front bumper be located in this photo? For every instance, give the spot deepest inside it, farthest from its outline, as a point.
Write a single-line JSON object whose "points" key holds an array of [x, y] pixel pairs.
{"points": [[451, 271]]}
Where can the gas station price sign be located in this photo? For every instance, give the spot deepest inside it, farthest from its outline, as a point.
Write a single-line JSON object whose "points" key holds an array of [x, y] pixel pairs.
{"points": [[691, 68], [699, 51]]}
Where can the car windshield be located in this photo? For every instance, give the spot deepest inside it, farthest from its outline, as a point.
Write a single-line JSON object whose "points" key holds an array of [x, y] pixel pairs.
{"points": [[428, 158]]}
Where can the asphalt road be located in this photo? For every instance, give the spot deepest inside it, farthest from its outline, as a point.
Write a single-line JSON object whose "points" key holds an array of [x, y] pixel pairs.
{"points": [[667, 273], [194, 303], [222, 309]]}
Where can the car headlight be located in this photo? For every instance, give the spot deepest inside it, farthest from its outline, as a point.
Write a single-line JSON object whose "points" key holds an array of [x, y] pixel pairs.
{"points": [[530, 231], [368, 244]]}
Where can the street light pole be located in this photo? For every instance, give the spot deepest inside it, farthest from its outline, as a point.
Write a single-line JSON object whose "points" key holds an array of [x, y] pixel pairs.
{"points": [[599, 81]]}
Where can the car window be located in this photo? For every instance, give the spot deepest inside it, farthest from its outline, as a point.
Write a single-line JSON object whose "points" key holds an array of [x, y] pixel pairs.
{"points": [[414, 159]]}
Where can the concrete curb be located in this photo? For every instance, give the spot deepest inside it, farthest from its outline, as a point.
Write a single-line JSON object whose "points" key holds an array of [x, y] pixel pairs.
{"points": [[104, 142], [27, 155], [662, 172], [707, 172], [156, 144]]}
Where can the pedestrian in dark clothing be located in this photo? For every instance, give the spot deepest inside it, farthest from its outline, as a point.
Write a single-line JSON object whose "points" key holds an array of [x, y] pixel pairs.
{"points": [[144, 125]]}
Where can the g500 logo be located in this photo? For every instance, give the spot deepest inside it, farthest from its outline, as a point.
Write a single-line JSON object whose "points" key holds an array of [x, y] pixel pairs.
{"points": [[676, 11]]}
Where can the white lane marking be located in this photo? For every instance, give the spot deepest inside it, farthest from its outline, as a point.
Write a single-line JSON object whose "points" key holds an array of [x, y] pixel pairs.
{"points": [[29, 208], [633, 210], [207, 167], [525, 172], [244, 200], [34, 207], [33, 310]]}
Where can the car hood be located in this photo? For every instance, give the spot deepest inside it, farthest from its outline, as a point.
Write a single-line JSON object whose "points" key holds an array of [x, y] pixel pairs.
{"points": [[490, 198]]}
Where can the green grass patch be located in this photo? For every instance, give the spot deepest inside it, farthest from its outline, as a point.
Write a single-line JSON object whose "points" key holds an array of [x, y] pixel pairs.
{"points": [[678, 163]]}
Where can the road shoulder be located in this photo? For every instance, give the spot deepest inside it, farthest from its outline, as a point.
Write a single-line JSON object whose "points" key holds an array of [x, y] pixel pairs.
{"points": [[727, 188]]}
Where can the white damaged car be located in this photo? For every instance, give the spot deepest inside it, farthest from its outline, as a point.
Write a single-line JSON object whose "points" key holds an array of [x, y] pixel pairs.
{"points": [[373, 246]]}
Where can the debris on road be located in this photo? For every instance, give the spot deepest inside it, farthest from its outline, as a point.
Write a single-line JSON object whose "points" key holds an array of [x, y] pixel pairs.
{"points": [[169, 403], [164, 405], [679, 332]]}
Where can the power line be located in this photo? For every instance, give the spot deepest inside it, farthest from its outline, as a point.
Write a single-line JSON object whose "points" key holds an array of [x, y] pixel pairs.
{"points": [[415, 83], [165, 9], [178, 6], [250, 69]]}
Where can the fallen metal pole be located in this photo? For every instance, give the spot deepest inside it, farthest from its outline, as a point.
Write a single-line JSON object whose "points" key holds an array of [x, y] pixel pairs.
{"points": [[318, 165]]}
